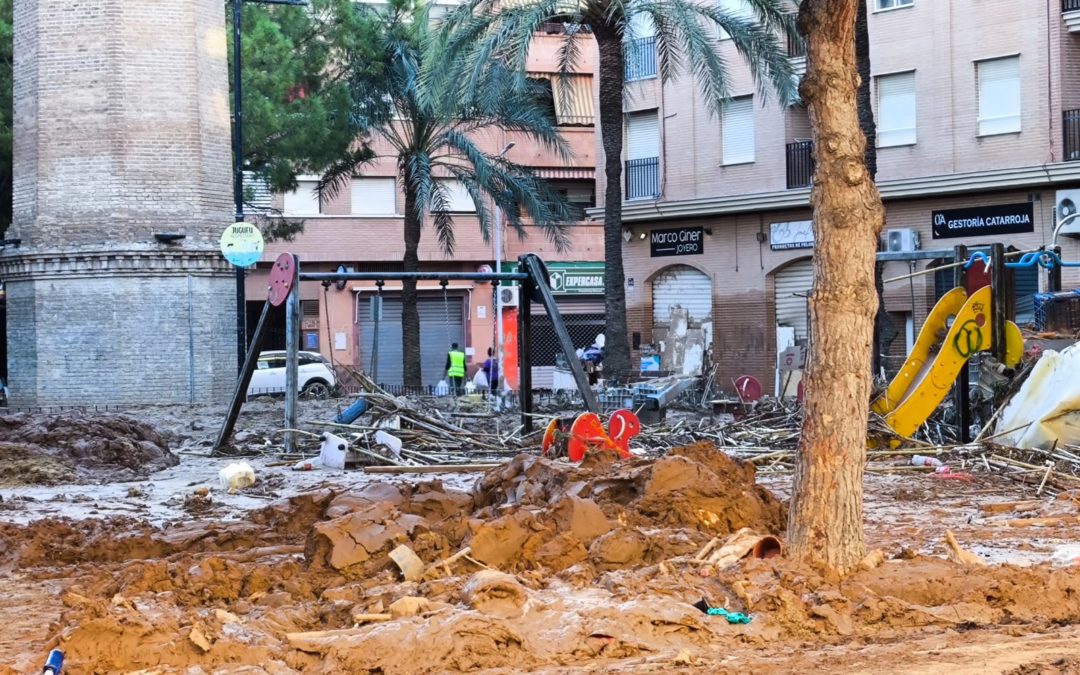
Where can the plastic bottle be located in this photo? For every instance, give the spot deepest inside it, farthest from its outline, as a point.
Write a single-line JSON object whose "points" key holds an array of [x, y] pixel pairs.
{"points": [[923, 460]]}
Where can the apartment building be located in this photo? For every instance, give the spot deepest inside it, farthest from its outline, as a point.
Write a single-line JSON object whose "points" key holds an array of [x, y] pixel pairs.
{"points": [[361, 230], [977, 104]]}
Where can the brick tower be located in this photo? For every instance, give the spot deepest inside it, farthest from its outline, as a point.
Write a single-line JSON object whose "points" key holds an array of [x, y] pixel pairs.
{"points": [[121, 143]]}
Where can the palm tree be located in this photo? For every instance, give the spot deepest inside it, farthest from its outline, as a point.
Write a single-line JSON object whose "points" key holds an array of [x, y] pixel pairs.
{"points": [[490, 34], [432, 132]]}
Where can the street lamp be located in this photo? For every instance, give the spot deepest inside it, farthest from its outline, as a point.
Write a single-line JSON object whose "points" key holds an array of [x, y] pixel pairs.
{"points": [[238, 166], [496, 386]]}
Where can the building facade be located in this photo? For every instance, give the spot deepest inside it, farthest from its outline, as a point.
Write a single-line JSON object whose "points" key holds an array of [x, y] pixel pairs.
{"points": [[361, 229], [977, 104]]}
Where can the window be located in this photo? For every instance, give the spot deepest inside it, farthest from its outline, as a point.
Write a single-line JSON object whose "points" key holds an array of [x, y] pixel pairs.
{"points": [[999, 95], [737, 7], [737, 129], [458, 199], [642, 155], [896, 109], [304, 200], [639, 45], [893, 4], [374, 196]]}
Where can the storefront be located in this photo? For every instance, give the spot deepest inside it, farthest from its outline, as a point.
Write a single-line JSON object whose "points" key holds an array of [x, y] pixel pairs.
{"points": [[759, 271]]}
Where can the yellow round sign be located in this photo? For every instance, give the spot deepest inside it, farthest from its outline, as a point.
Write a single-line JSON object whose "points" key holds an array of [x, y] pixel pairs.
{"points": [[242, 244]]}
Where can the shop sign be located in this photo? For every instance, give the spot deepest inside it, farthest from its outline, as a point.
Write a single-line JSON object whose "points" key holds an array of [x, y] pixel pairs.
{"points": [[677, 241], [984, 220], [792, 235], [573, 278]]}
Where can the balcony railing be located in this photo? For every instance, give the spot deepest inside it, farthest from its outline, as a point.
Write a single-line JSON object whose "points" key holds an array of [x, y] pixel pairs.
{"points": [[800, 164], [1071, 129], [640, 56], [1070, 5], [643, 178]]}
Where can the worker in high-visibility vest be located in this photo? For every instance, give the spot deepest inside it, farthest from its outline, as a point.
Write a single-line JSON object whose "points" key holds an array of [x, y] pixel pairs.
{"points": [[455, 369]]}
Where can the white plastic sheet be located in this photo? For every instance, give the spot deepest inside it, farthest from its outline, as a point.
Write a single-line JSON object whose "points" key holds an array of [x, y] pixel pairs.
{"points": [[1047, 407]]}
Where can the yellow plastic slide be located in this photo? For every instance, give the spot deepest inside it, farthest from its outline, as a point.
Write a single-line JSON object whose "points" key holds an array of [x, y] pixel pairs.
{"points": [[923, 382]]}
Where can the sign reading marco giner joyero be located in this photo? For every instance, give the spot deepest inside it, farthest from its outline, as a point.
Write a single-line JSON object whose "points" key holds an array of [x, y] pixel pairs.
{"points": [[572, 278]]}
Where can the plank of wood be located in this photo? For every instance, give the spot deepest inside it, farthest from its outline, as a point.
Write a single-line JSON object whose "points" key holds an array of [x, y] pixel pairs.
{"points": [[1008, 507], [432, 468]]}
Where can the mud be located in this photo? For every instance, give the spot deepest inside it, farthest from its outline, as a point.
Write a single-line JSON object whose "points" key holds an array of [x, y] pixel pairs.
{"points": [[568, 569], [77, 448]]}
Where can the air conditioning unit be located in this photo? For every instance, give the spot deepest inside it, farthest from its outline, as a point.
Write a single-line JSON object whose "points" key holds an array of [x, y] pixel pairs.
{"points": [[903, 240], [508, 296], [1067, 205]]}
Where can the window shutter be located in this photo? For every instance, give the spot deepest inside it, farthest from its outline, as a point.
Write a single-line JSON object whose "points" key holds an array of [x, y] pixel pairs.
{"points": [[256, 193], [999, 95], [738, 130], [304, 200], [642, 135], [573, 100], [896, 109], [374, 196]]}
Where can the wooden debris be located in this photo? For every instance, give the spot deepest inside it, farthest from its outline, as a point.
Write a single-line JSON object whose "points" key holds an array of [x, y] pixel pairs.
{"points": [[445, 564], [433, 468], [371, 618], [959, 555]]}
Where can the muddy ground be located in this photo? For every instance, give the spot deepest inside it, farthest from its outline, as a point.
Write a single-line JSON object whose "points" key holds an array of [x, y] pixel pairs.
{"points": [[569, 569]]}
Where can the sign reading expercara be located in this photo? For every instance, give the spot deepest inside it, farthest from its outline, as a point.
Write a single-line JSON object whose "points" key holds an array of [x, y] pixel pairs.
{"points": [[984, 220], [678, 241], [791, 235]]}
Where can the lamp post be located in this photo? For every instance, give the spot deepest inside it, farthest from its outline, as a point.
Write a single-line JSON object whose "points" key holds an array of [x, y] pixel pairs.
{"points": [[238, 165], [497, 385]]}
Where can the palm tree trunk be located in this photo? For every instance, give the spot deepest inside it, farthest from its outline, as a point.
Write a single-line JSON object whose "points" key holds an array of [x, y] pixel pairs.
{"points": [[617, 347], [410, 315], [825, 523]]}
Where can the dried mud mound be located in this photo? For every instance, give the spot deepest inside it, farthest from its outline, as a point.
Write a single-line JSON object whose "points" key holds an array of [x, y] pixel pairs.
{"points": [[587, 566], [49, 450]]}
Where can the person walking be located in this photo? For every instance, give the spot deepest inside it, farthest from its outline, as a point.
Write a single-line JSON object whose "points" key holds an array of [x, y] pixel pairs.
{"points": [[491, 371], [455, 369]]}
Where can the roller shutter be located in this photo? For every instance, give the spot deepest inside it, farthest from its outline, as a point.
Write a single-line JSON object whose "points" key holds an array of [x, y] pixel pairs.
{"points": [[685, 287], [436, 333], [792, 286]]}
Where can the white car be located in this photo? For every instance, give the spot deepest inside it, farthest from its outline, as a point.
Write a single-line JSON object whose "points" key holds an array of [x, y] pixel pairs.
{"points": [[316, 377]]}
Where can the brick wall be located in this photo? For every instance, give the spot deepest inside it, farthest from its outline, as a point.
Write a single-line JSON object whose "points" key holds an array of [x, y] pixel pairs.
{"points": [[121, 131]]}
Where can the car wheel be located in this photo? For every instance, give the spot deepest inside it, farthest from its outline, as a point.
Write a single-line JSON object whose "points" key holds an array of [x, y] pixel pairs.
{"points": [[316, 389]]}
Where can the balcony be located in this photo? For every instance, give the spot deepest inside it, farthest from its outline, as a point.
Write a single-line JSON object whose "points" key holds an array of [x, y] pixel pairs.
{"points": [[642, 178], [796, 51], [640, 59], [800, 164], [1070, 124], [1070, 12]]}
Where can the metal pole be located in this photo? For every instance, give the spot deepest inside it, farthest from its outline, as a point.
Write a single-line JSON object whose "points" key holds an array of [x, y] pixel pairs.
{"points": [[238, 179], [1053, 281], [292, 358], [998, 301], [247, 370], [496, 389], [525, 352], [962, 391]]}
